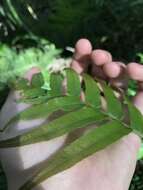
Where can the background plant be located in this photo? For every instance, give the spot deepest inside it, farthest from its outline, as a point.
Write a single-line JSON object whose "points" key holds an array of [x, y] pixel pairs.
{"points": [[113, 25], [14, 63]]}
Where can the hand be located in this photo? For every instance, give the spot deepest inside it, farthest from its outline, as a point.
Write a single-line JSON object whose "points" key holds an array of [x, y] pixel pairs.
{"points": [[109, 169]]}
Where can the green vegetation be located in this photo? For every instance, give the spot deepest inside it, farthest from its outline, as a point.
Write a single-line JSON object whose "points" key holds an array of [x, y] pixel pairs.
{"points": [[113, 25], [30, 31], [77, 114], [14, 64]]}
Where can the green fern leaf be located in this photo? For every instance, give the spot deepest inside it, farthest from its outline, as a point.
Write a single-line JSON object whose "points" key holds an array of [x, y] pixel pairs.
{"points": [[136, 119], [37, 81], [114, 107], [56, 80], [95, 140], [35, 101], [46, 109], [92, 92], [21, 84], [33, 93], [73, 83], [63, 125]]}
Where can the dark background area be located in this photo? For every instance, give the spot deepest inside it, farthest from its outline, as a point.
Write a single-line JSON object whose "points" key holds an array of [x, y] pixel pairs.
{"points": [[113, 25]]}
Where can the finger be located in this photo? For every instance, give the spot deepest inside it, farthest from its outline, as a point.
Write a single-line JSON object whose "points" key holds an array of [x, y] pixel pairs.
{"points": [[83, 48], [81, 58], [101, 57], [121, 78], [135, 71], [29, 74], [112, 69], [97, 72], [78, 66], [138, 101]]}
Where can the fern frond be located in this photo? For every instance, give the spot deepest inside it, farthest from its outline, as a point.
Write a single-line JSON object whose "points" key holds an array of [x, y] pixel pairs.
{"points": [[78, 113]]}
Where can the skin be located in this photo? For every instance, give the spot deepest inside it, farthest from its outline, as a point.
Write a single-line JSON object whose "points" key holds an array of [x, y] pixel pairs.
{"points": [[110, 169]]}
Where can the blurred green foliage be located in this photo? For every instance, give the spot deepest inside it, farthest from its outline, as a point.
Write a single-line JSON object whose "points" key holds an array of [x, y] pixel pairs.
{"points": [[140, 55], [113, 25], [14, 63]]}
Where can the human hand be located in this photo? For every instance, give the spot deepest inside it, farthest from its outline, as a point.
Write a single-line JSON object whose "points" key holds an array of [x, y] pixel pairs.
{"points": [[111, 168]]}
